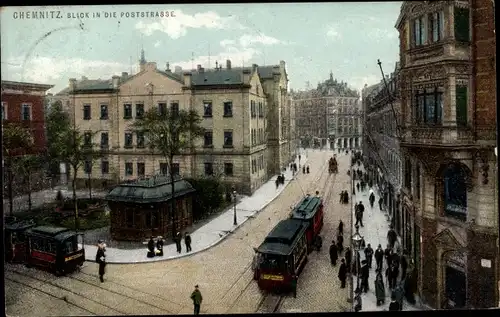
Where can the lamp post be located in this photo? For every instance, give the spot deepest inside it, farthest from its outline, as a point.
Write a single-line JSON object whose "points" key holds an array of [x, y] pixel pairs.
{"points": [[356, 242], [235, 221]]}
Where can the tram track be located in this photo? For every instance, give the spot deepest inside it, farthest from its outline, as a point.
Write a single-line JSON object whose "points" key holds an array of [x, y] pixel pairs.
{"points": [[95, 285]]}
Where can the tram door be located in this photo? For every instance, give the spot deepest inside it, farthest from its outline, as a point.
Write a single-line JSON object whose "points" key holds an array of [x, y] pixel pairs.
{"points": [[455, 288]]}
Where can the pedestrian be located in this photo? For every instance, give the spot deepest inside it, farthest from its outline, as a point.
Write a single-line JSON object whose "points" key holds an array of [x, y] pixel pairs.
{"points": [[187, 241], [393, 275], [357, 186], [379, 289], [394, 305], [346, 197], [369, 255], [372, 198], [333, 253], [388, 256], [380, 201], [340, 244], [341, 200], [151, 248], [404, 265], [197, 299], [159, 246], [348, 259], [307, 169], [379, 257], [341, 227], [277, 182], [399, 294], [282, 179], [177, 240], [342, 273], [100, 258], [365, 274], [303, 169], [392, 236], [361, 208]]}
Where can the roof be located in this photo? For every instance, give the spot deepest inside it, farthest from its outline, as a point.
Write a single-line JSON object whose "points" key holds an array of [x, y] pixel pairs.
{"points": [[19, 225], [171, 75], [152, 190], [283, 237], [307, 208], [89, 84], [49, 231], [225, 76], [31, 86]]}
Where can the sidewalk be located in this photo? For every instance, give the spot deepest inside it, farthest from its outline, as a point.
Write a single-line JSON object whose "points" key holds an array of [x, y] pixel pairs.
{"points": [[209, 234], [376, 225]]}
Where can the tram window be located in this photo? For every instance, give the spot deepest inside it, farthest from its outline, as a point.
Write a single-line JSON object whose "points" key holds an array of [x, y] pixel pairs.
{"points": [[70, 245], [80, 242], [50, 247], [272, 262], [37, 244]]}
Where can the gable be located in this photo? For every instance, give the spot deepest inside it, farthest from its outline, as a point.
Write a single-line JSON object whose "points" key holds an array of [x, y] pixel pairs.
{"points": [[256, 84], [151, 81], [448, 240]]}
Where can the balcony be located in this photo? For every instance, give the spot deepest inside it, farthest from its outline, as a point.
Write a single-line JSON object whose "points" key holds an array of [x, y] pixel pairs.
{"points": [[445, 136]]}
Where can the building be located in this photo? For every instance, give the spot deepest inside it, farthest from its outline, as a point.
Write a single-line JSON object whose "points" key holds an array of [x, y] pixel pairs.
{"points": [[23, 103], [448, 110], [330, 114], [244, 111], [381, 107]]}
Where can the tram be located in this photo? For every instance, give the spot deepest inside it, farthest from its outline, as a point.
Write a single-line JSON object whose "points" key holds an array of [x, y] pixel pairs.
{"points": [[15, 240], [310, 212], [58, 249], [281, 257]]}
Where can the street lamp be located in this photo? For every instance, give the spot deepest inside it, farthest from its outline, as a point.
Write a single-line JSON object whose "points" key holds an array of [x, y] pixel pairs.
{"points": [[235, 221], [356, 242]]}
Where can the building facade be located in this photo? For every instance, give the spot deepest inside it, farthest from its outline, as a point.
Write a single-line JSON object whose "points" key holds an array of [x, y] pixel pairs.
{"points": [[448, 115], [381, 143], [236, 105]]}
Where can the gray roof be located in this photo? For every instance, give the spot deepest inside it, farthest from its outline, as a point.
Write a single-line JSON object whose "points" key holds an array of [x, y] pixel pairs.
{"points": [[89, 84], [282, 238], [152, 190], [224, 76]]}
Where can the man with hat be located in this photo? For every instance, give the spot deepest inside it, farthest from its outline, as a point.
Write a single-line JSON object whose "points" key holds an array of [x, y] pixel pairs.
{"points": [[365, 272], [100, 258], [333, 253], [197, 299]]}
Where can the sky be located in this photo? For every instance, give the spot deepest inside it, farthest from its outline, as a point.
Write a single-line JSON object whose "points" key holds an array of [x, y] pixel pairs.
{"points": [[313, 39]]}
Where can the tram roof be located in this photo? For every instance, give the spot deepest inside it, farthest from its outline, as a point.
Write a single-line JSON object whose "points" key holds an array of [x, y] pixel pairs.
{"points": [[307, 208], [57, 233], [19, 225], [283, 237]]}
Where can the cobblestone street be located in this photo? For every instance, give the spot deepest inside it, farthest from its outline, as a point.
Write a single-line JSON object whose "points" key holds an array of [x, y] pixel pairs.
{"points": [[223, 272]]}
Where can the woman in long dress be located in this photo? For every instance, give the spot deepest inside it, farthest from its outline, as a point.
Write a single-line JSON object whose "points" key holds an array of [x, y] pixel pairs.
{"points": [[379, 288]]}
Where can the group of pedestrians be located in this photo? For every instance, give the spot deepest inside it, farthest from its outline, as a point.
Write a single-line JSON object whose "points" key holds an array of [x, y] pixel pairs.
{"points": [[344, 197]]}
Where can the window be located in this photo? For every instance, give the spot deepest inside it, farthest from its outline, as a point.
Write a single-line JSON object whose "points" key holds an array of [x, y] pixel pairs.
{"points": [[228, 109], [163, 168], [417, 182], [87, 139], [253, 136], [228, 169], [261, 110], [462, 29], [407, 172], [26, 112], [252, 109], [87, 167], [4, 111], [128, 140], [174, 105], [104, 167], [104, 112], [437, 25], [461, 105], [208, 139], [104, 140], [207, 108], [228, 138], [176, 169], [139, 111], [140, 139], [209, 169], [141, 169], [162, 108], [455, 192], [429, 107], [129, 169], [127, 111], [419, 31]]}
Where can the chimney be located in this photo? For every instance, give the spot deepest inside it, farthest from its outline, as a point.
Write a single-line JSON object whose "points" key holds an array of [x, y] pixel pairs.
{"points": [[167, 69], [282, 64], [228, 64], [198, 67], [254, 67], [72, 84], [124, 75], [187, 79], [84, 78], [178, 69], [116, 81], [246, 76], [201, 69], [151, 66]]}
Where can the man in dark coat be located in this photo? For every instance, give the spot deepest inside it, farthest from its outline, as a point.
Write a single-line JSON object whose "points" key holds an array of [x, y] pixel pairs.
{"points": [[340, 243], [187, 241], [371, 199], [365, 273], [379, 289], [391, 237], [394, 305], [393, 275], [341, 200], [359, 214], [197, 299], [379, 257], [357, 186], [277, 182], [346, 197], [100, 258], [342, 273], [177, 240], [399, 294], [341, 227], [151, 248], [348, 259], [404, 265], [369, 255], [380, 201], [333, 253], [388, 256], [307, 169]]}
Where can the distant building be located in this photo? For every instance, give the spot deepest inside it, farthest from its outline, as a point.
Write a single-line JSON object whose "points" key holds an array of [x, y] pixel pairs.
{"points": [[244, 111]]}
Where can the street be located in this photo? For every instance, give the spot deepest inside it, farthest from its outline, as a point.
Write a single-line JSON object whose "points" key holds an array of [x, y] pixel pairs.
{"points": [[223, 272]]}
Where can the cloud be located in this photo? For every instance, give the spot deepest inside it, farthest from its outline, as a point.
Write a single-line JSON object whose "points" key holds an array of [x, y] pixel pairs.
{"points": [[225, 43], [44, 69], [237, 56], [382, 34], [358, 82], [157, 44], [333, 32], [248, 40], [176, 27]]}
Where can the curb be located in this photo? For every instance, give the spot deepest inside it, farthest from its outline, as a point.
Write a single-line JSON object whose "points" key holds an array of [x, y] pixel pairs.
{"points": [[214, 243]]}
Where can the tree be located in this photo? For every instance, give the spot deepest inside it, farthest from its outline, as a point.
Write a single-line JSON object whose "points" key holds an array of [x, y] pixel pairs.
{"points": [[28, 164], [16, 140], [170, 133], [57, 121]]}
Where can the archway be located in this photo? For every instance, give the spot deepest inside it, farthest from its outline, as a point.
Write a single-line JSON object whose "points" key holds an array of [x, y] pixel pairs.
{"points": [[455, 280]]}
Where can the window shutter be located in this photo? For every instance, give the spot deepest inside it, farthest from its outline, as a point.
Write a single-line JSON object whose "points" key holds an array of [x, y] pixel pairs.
{"points": [[461, 105], [462, 25]]}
